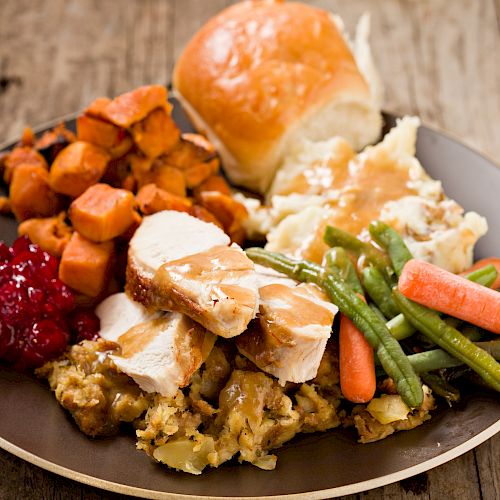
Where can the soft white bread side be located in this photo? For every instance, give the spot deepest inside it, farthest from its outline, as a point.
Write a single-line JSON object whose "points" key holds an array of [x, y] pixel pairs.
{"points": [[264, 74]]}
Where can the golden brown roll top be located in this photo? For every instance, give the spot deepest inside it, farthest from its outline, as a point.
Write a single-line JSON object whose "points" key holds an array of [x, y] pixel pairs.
{"points": [[263, 74]]}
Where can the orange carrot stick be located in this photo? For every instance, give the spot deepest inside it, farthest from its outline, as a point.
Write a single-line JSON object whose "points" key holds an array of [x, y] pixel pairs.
{"points": [[357, 364], [451, 294], [495, 261]]}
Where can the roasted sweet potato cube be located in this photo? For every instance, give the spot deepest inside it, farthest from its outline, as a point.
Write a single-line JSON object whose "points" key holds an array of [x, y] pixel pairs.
{"points": [[141, 168], [22, 155], [127, 235], [191, 150], [132, 107], [5, 206], [197, 173], [152, 199], [52, 234], [98, 107], [212, 183], [203, 214], [28, 137], [53, 141], [85, 265], [102, 212], [115, 140], [148, 171], [77, 167], [129, 183], [30, 193], [170, 179], [156, 134], [230, 212]]}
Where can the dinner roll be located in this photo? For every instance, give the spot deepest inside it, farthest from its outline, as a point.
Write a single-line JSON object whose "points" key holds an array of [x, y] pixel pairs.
{"points": [[263, 74]]}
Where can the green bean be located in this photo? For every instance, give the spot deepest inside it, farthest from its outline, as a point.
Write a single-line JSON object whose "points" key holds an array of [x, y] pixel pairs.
{"points": [[336, 261], [433, 327], [388, 350], [400, 328], [438, 359], [379, 291], [485, 276], [429, 361], [378, 312], [391, 241], [441, 387], [335, 237]]}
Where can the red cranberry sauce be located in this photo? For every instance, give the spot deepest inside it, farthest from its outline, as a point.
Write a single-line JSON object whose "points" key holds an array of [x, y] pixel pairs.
{"points": [[37, 316]]}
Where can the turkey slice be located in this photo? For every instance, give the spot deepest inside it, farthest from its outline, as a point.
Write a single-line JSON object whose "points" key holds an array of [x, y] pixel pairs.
{"points": [[162, 354], [118, 312], [180, 263], [289, 338]]}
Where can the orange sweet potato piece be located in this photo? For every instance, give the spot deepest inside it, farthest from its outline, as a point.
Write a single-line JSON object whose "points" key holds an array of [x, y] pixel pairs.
{"points": [[53, 141], [141, 168], [203, 214], [57, 134], [85, 265], [152, 199], [132, 107], [192, 149], [5, 207], [30, 193], [199, 172], [22, 155], [148, 171], [52, 234], [98, 107], [156, 134], [102, 212], [77, 167], [170, 179], [212, 183], [116, 172], [129, 183], [28, 137], [104, 134], [230, 212], [127, 235]]}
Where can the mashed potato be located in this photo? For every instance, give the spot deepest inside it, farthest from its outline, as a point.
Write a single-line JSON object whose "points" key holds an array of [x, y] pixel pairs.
{"points": [[328, 183]]}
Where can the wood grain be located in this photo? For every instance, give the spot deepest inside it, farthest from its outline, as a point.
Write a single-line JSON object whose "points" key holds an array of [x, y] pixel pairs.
{"points": [[438, 59]]}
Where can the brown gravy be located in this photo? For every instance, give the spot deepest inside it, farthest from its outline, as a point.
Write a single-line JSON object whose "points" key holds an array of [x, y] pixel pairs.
{"points": [[365, 184]]}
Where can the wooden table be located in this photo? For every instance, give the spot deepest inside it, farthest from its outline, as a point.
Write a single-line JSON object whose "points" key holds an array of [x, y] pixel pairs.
{"points": [[438, 59]]}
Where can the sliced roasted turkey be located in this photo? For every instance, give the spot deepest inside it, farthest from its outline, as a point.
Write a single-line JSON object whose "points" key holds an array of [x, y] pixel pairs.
{"points": [[179, 263], [294, 324]]}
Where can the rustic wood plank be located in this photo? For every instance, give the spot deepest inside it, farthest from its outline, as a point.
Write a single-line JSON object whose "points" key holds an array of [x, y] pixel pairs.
{"points": [[21, 480], [68, 53], [487, 458], [456, 480], [190, 17], [438, 62]]}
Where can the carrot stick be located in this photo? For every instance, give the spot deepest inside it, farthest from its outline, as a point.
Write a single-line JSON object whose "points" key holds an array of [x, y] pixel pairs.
{"points": [[357, 364], [451, 294], [495, 261]]}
